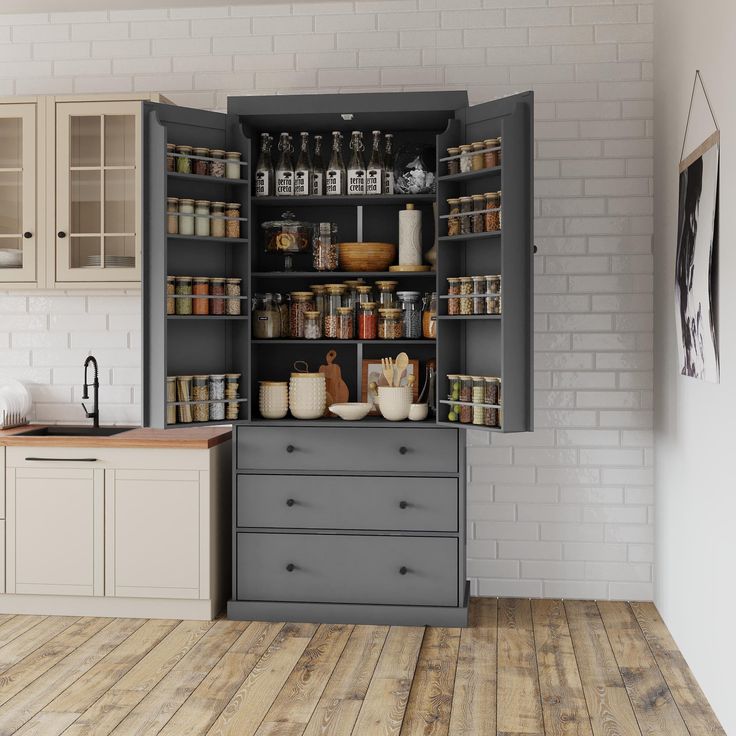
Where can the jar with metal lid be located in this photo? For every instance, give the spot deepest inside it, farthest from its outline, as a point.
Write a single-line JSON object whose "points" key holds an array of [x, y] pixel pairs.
{"points": [[232, 221], [217, 397], [453, 221], [466, 214], [479, 290], [453, 165], [301, 302], [170, 399], [232, 290], [411, 313], [202, 218], [390, 324], [429, 316], [201, 393], [478, 397], [200, 287], [312, 325], [216, 164], [477, 222], [232, 165], [367, 321], [266, 318], [170, 158], [453, 291], [493, 213], [186, 217], [334, 294], [386, 294], [466, 158], [466, 399], [491, 395], [183, 295], [490, 155], [217, 221], [201, 165], [170, 292], [172, 215], [184, 398], [345, 323], [466, 300], [319, 297], [493, 295], [476, 161], [183, 160], [217, 290]]}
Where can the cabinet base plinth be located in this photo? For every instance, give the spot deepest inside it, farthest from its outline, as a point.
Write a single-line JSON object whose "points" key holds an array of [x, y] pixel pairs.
{"points": [[349, 613]]}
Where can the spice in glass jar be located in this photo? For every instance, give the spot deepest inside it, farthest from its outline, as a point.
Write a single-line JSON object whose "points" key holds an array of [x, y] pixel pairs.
{"points": [[334, 299], [453, 291], [170, 291], [477, 221], [283, 302], [466, 399], [201, 287], [232, 291], [367, 321], [454, 395], [466, 214], [466, 301], [232, 385], [232, 165], [201, 155], [184, 398], [170, 158], [202, 218], [201, 393], [387, 294], [301, 302], [490, 155], [364, 293], [170, 399], [453, 165], [217, 394], [217, 290], [491, 395], [478, 394], [312, 325], [183, 295], [476, 161], [493, 295], [345, 323], [466, 158], [232, 223], [390, 325], [411, 313], [493, 214], [453, 221], [183, 160], [324, 248], [186, 217], [266, 317], [319, 297], [172, 215], [217, 219], [216, 164], [429, 316], [479, 290]]}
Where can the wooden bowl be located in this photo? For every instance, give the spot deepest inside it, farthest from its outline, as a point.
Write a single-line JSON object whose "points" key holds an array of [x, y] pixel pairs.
{"points": [[366, 256]]}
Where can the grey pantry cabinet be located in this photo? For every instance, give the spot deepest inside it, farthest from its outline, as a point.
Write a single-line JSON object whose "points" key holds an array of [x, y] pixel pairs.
{"points": [[332, 520]]}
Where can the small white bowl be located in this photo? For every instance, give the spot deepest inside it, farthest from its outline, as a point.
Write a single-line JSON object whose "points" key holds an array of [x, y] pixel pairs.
{"points": [[352, 411], [418, 412]]}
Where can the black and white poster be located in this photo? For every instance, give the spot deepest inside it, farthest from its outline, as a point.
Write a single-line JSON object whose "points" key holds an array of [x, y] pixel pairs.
{"points": [[696, 264]]}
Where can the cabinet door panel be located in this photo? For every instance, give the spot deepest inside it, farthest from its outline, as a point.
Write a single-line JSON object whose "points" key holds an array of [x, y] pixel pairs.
{"points": [[153, 533], [55, 527]]}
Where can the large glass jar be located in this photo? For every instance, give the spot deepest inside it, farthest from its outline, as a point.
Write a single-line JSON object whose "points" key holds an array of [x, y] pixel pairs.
{"points": [[367, 321], [312, 325], [232, 290], [476, 161], [183, 295], [232, 220], [216, 166], [301, 301], [493, 213], [201, 288], [283, 303], [266, 318], [345, 323], [232, 165], [477, 222], [172, 215], [466, 156], [217, 223], [429, 316], [466, 214], [387, 294], [186, 217], [217, 396], [334, 294], [319, 297], [411, 313], [490, 155], [351, 294], [217, 290], [324, 247], [390, 324]]}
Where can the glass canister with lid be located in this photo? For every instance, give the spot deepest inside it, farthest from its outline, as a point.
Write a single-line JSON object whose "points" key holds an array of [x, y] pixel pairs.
{"points": [[312, 325], [453, 164], [345, 323], [493, 212], [217, 290], [476, 161], [301, 302], [266, 317], [453, 221], [170, 399], [217, 397], [387, 294], [324, 247], [466, 215], [216, 167], [217, 222], [334, 294], [232, 165], [170, 292], [200, 397], [453, 291], [200, 288], [390, 324], [232, 290], [319, 297], [411, 313], [184, 159], [172, 215], [201, 165], [429, 316], [184, 399], [183, 287], [367, 320], [186, 216]]}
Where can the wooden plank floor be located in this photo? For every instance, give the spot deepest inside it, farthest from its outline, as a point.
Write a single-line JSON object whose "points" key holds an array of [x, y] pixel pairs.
{"points": [[522, 668]]}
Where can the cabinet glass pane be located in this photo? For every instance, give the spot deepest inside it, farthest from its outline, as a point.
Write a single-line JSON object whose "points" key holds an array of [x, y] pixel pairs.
{"points": [[11, 143], [119, 140], [11, 253], [84, 252], [85, 144], [84, 201], [120, 201], [120, 251], [11, 202]]}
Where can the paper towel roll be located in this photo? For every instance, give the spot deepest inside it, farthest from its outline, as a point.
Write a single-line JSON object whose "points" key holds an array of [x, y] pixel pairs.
{"points": [[410, 236]]}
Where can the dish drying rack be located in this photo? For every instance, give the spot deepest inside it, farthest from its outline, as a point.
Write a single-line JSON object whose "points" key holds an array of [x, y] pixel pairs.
{"points": [[12, 419]]}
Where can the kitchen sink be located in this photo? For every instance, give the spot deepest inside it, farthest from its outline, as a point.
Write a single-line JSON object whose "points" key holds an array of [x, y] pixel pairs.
{"points": [[75, 431]]}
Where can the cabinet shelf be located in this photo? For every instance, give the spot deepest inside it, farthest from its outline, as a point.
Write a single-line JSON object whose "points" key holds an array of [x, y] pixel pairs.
{"points": [[347, 200], [468, 175], [335, 341], [462, 317], [371, 421], [208, 179], [342, 274], [208, 239], [469, 236], [207, 316]]}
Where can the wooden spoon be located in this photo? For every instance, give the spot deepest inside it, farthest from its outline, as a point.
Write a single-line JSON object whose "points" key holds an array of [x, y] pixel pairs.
{"points": [[402, 362]]}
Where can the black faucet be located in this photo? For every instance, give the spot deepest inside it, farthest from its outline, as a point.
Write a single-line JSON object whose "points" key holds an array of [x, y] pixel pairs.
{"points": [[95, 413]]}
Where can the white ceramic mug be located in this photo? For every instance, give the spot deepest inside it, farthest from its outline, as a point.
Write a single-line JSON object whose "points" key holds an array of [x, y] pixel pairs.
{"points": [[307, 395], [273, 400], [394, 402], [418, 412]]}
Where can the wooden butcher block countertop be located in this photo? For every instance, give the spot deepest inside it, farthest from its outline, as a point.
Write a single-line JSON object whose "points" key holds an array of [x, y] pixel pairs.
{"points": [[188, 438]]}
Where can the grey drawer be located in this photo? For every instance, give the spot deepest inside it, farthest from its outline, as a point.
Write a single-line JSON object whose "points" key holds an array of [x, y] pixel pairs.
{"points": [[348, 502], [331, 568], [378, 449]]}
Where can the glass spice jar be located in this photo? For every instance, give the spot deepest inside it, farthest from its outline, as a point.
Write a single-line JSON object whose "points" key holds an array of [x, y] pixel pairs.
{"points": [[170, 291], [345, 323], [217, 219], [301, 302], [454, 395], [232, 386], [184, 398], [500, 210], [201, 287], [170, 399], [364, 293], [319, 297], [217, 290], [466, 158], [232, 291], [201, 166], [466, 301], [390, 325], [172, 215], [170, 158], [324, 248], [217, 396], [183, 295], [202, 218], [493, 214], [493, 295], [312, 325], [477, 221], [283, 303], [466, 399], [429, 316], [478, 395], [386, 294], [201, 393], [453, 291], [479, 290], [232, 165], [453, 221], [466, 213], [186, 217], [411, 313], [216, 164], [491, 395], [232, 223], [476, 161], [334, 294], [183, 160], [367, 321], [490, 155], [453, 165]]}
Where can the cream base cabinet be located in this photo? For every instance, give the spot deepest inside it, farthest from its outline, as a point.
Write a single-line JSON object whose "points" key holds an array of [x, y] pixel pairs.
{"points": [[55, 531]]}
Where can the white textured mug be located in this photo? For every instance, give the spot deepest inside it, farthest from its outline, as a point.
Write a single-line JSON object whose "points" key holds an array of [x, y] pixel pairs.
{"points": [[394, 402]]}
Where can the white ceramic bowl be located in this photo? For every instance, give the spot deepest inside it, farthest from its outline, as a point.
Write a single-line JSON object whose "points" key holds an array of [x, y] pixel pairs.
{"points": [[394, 402], [418, 412], [352, 411]]}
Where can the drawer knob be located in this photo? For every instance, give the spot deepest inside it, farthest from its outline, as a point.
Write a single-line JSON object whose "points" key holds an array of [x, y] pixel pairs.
{"points": [[290, 448], [291, 567], [403, 504], [403, 570], [61, 234], [290, 502], [28, 234], [403, 450]]}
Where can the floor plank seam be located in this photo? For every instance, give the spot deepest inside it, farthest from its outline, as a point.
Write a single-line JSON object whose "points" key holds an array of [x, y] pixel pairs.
{"points": [[536, 669]]}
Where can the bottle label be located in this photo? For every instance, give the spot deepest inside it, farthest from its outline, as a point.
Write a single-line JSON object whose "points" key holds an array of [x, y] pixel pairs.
{"points": [[301, 182], [356, 181], [284, 182], [373, 181], [334, 182], [388, 182], [263, 184], [318, 183]]}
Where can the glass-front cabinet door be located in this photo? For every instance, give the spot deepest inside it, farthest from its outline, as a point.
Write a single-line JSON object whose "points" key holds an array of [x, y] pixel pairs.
{"points": [[18, 227], [98, 175]]}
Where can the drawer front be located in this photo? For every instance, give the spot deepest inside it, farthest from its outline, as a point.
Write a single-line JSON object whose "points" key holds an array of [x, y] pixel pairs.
{"points": [[348, 502], [358, 449], [324, 568]]}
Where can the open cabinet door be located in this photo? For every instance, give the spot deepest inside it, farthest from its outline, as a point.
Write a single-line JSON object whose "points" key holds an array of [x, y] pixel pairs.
{"points": [[490, 345], [207, 342]]}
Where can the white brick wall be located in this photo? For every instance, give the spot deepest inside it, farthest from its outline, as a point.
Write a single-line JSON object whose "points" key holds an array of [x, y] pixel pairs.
{"points": [[565, 511]]}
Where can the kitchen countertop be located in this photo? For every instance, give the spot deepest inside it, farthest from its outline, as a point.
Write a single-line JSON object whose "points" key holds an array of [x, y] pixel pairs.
{"points": [[191, 438]]}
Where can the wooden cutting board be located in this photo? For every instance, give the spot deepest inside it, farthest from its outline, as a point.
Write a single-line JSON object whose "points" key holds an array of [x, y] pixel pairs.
{"points": [[337, 389]]}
